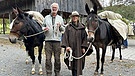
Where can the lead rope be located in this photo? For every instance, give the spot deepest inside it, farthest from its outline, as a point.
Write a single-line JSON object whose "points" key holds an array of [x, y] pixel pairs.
{"points": [[34, 34], [83, 54], [71, 57], [57, 31]]}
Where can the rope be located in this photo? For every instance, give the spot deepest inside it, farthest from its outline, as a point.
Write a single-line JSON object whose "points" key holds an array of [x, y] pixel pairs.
{"points": [[71, 57], [34, 34], [84, 53]]}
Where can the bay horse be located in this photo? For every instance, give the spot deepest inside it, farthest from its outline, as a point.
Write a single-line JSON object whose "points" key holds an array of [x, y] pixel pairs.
{"points": [[26, 29], [101, 34]]}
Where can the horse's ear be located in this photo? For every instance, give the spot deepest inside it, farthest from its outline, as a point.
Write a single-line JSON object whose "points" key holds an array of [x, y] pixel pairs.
{"points": [[15, 10], [19, 10], [87, 9], [95, 8]]}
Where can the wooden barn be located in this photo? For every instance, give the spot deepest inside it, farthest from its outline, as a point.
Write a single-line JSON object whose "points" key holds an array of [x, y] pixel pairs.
{"points": [[43, 6]]}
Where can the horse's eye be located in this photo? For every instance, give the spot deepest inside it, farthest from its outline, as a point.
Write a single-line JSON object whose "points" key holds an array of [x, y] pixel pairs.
{"points": [[16, 22], [96, 19]]}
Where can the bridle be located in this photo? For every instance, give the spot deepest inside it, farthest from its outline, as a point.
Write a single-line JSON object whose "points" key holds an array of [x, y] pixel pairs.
{"points": [[93, 31], [18, 32]]}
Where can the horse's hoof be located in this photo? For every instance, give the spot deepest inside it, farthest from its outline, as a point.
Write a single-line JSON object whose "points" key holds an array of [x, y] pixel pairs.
{"points": [[26, 62], [121, 61], [40, 72], [101, 75], [111, 61], [95, 73], [33, 72]]}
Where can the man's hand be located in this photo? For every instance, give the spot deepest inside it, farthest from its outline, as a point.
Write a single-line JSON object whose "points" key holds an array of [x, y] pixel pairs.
{"points": [[59, 24], [46, 29]]}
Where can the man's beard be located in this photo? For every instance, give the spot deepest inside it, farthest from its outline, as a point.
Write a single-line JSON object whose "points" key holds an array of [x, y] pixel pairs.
{"points": [[54, 12]]}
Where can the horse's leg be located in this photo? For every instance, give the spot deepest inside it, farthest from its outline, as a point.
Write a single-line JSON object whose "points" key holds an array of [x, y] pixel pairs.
{"points": [[39, 58], [102, 60], [32, 56], [120, 54], [27, 54], [98, 57], [113, 52]]}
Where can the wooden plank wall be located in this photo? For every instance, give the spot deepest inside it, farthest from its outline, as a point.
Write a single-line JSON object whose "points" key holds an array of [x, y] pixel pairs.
{"points": [[65, 5], [6, 5]]}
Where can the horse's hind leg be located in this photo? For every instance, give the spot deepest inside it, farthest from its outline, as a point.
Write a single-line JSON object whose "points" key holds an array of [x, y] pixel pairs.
{"points": [[120, 54], [113, 53], [39, 58]]}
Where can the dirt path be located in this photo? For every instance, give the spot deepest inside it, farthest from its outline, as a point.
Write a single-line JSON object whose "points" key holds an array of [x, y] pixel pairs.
{"points": [[12, 63]]}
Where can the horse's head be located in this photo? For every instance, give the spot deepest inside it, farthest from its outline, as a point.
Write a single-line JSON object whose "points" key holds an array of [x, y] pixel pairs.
{"points": [[18, 26], [91, 22]]}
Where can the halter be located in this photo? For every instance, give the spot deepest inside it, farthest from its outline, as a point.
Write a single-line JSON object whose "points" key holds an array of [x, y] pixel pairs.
{"points": [[93, 31], [17, 31], [23, 36]]}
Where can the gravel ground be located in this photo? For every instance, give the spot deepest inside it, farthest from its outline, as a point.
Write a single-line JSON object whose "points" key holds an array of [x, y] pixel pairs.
{"points": [[12, 63]]}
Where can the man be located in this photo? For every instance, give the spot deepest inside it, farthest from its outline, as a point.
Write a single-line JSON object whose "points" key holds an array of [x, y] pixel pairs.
{"points": [[53, 25], [75, 39]]}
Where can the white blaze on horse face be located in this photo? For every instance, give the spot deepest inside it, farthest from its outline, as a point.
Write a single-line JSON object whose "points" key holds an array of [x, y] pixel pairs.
{"points": [[11, 24], [86, 29], [90, 34]]}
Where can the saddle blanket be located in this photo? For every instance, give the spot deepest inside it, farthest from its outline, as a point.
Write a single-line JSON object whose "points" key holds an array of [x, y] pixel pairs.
{"points": [[115, 20]]}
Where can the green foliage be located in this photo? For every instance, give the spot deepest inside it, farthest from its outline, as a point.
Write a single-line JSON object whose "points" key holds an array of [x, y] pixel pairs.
{"points": [[6, 25], [127, 12], [6, 21], [125, 20]]}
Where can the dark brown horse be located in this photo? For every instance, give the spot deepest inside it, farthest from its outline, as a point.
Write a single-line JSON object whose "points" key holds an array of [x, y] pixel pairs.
{"points": [[101, 34], [26, 29]]}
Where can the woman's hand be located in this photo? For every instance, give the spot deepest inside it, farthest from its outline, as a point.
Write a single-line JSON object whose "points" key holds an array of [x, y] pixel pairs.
{"points": [[68, 49], [83, 50]]}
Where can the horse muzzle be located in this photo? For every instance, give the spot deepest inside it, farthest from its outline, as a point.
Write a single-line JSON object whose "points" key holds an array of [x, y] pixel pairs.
{"points": [[90, 39], [13, 39]]}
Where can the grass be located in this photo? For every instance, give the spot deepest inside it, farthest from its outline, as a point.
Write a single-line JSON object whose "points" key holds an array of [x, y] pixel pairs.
{"points": [[7, 30]]}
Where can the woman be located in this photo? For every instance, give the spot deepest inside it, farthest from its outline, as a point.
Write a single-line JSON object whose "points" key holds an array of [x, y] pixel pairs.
{"points": [[75, 39]]}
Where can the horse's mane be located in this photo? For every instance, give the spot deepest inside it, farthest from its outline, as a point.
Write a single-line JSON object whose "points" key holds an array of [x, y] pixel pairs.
{"points": [[33, 23], [37, 16]]}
